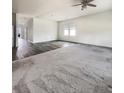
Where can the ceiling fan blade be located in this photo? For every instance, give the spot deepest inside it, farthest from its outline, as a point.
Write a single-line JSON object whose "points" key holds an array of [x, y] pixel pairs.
{"points": [[77, 5], [92, 5], [89, 1], [86, 1]]}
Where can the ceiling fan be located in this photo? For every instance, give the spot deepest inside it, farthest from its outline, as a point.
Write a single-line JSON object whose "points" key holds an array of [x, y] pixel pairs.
{"points": [[85, 3]]}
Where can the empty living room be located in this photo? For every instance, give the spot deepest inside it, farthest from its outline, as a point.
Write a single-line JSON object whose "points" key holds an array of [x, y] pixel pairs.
{"points": [[60, 46]]}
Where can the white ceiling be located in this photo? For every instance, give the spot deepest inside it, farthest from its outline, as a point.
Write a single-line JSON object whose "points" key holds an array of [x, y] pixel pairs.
{"points": [[57, 10]]}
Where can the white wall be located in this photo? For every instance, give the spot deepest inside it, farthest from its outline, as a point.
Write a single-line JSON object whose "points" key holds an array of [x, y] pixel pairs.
{"points": [[29, 34], [92, 29], [44, 30]]}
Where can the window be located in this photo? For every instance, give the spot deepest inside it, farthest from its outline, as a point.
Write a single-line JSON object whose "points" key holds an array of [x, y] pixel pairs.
{"points": [[69, 30], [66, 32], [72, 31]]}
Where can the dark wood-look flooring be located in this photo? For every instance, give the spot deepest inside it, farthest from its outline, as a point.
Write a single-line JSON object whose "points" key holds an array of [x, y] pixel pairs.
{"points": [[26, 49]]}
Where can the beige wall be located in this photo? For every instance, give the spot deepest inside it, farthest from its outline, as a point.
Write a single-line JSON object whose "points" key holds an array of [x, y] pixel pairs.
{"points": [[30, 30], [44, 30], [41, 30], [92, 29]]}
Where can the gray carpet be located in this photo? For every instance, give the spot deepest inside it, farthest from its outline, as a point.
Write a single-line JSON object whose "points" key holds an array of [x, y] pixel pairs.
{"points": [[72, 69]]}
